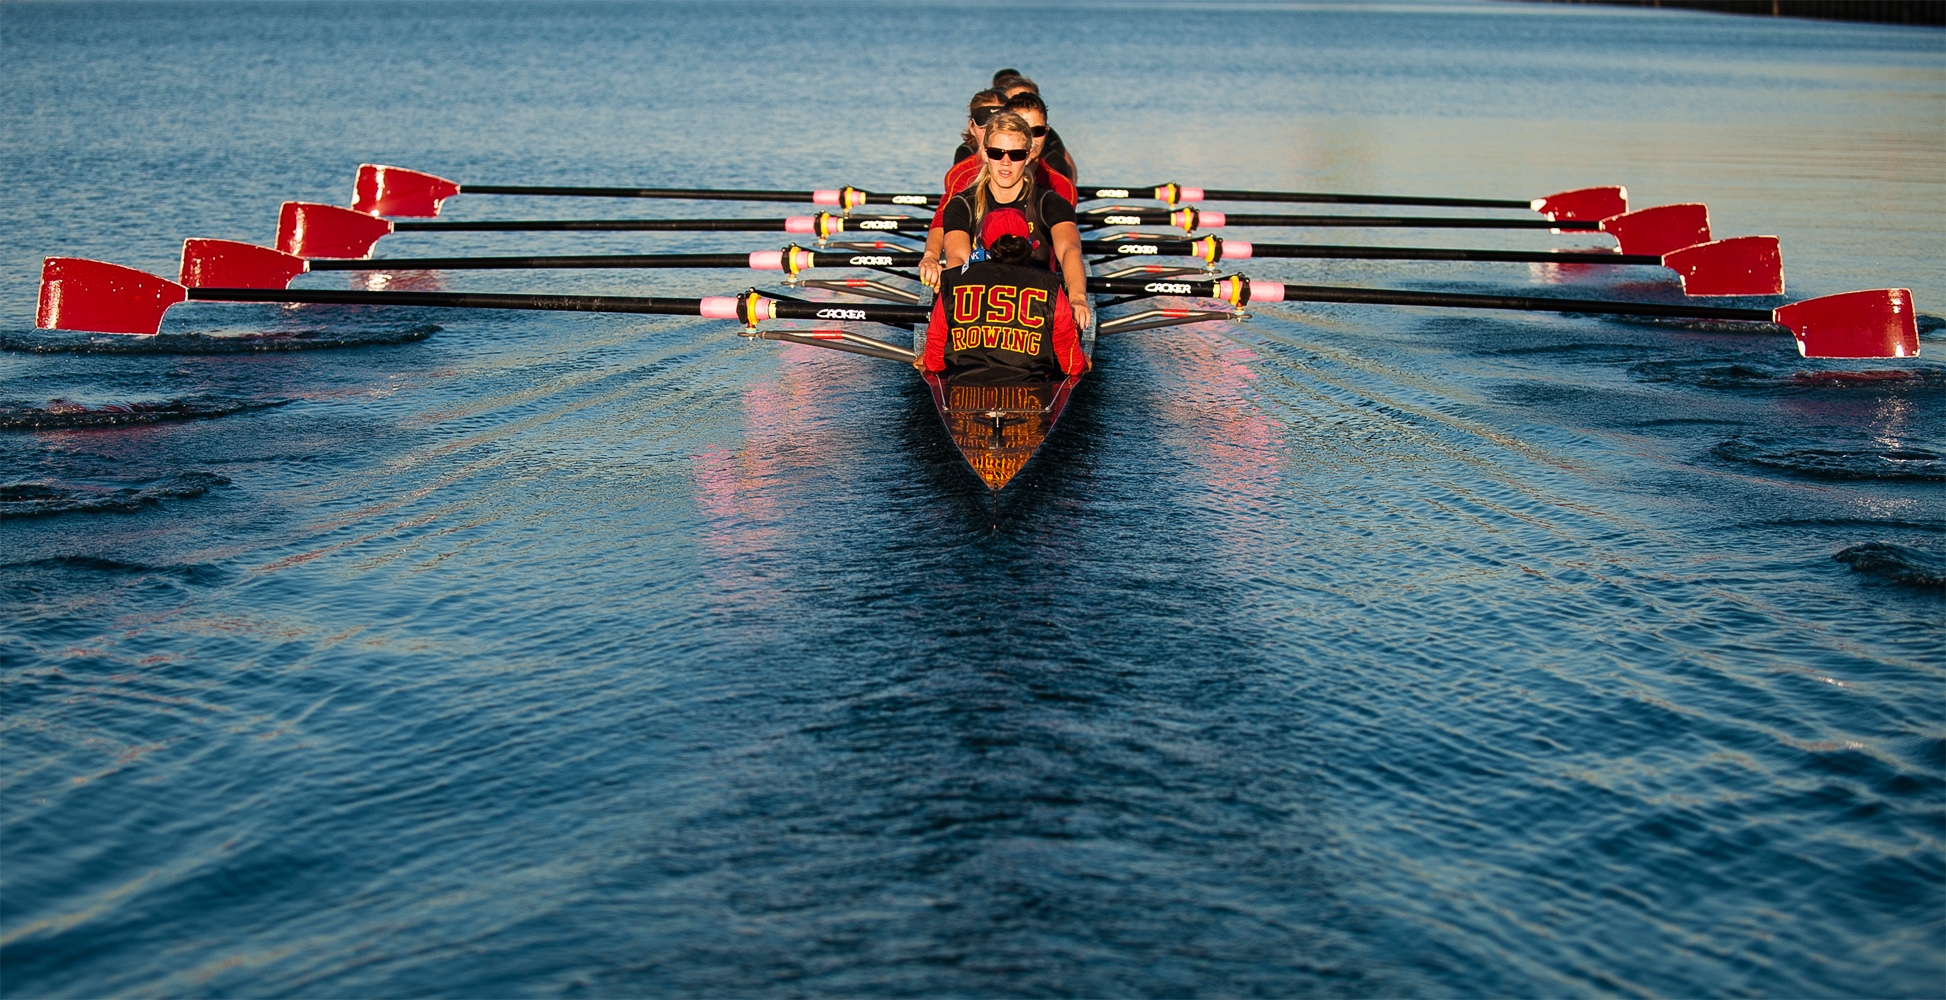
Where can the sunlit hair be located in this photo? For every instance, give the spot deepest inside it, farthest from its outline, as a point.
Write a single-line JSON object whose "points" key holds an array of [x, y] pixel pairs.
{"points": [[1016, 81], [980, 100], [1010, 124], [1002, 74], [1028, 101]]}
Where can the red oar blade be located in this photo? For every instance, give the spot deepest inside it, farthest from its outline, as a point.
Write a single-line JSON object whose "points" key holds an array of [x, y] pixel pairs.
{"points": [[307, 229], [1661, 229], [78, 294], [1874, 324], [382, 190], [1584, 204], [1740, 265], [229, 264]]}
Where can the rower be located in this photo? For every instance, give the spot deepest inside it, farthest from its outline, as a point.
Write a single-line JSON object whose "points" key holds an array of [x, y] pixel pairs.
{"points": [[1047, 147], [1012, 84], [1003, 320], [1007, 180], [961, 176], [983, 106]]}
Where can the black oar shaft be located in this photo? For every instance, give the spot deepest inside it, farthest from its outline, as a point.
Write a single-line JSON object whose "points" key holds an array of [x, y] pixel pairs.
{"points": [[1398, 222], [1314, 251], [597, 225], [1328, 251], [458, 300], [705, 194], [1310, 197], [1460, 300], [1153, 216], [1314, 197], [1152, 286], [697, 194], [559, 303], [671, 260], [1445, 300], [858, 224]]}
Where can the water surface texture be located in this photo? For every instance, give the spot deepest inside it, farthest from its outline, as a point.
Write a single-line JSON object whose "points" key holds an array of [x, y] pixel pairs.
{"points": [[1338, 651]]}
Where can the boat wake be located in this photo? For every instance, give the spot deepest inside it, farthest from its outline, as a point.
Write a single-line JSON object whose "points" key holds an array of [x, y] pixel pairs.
{"points": [[1869, 460], [1897, 563], [60, 414], [40, 499], [59, 342], [1742, 373]]}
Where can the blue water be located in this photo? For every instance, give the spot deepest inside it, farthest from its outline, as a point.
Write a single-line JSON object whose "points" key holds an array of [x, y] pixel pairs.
{"points": [[1342, 650]]}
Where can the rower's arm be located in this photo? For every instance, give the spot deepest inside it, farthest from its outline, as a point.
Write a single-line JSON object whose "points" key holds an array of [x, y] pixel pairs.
{"points": [[959, 248], [1074, 271], [929, 266]]}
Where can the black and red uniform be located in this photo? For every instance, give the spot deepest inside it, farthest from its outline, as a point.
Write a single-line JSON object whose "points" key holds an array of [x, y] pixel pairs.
{"points": [[1003, 322], [964, 173], [1044, 209]]}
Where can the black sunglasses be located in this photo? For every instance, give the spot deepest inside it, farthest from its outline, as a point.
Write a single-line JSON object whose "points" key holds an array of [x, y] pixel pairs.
{"points": [[981, 116], [1016, 155], [1040, 131]]}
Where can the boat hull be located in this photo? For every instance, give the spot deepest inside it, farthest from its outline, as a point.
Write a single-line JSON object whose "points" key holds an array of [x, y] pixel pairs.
{"points": [[999, 428]]}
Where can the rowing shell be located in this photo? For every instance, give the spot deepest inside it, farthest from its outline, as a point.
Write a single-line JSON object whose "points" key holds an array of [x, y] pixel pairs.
{"points": [[999, 428]]}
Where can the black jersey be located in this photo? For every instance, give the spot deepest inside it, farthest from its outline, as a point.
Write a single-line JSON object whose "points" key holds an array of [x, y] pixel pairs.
{"points": [[1044, 210], [1002, 323], [1055, 154]]}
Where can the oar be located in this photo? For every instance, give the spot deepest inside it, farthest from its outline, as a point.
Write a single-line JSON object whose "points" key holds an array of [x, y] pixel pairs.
{"points": [[1877, 323], [1740, 265], [1655, 230], [1591, 203], [97, 297], [88, 295], [230, 264], [312, 230], [382, 190]]}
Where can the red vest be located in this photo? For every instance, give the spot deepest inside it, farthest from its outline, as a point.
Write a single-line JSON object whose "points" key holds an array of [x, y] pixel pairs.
{"points": [[1004, 321]]}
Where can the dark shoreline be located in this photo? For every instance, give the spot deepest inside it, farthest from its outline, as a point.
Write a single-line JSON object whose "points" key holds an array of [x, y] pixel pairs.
{"points": [[1930, 13]]}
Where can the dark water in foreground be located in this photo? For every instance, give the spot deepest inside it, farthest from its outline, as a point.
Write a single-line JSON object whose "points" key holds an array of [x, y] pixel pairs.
{"points": [[1342, 651]]}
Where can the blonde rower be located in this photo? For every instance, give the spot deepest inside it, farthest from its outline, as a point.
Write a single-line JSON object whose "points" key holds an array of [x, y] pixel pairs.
{"points": [[1006, 182]]}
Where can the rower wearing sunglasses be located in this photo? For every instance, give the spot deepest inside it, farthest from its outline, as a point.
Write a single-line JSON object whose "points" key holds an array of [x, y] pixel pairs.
{"points": [[1012, 85], [1007, 182], [1047, 145], [966, 169]]}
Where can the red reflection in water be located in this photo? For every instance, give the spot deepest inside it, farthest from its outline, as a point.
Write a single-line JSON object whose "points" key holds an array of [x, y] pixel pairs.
{"points": [[1236, 445], [786, 434]]}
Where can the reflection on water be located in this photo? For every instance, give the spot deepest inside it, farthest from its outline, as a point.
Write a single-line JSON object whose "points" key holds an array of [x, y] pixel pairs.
{"points": [[998, 428]]}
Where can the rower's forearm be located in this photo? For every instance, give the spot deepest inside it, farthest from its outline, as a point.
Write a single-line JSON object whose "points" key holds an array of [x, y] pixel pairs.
{"points": [[935, 243], [1075, 276]]}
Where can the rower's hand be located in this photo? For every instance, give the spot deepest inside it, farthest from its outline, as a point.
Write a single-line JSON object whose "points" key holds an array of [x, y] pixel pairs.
{"points": [[1081, 316], [929, 271]]}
